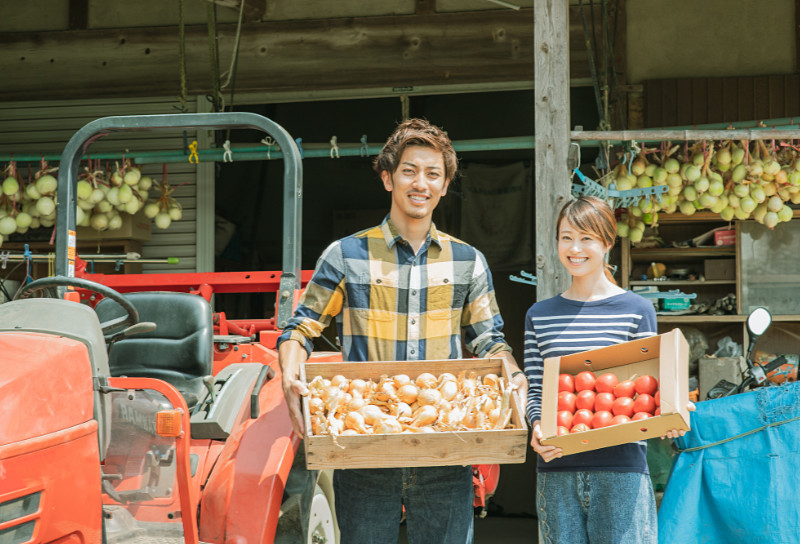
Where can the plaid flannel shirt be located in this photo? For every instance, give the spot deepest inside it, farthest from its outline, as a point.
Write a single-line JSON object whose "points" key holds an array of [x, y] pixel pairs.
{"points": [[391, 304]]}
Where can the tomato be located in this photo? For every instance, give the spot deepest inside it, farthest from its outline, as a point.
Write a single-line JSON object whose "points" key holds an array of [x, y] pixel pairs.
{"points": [[625, 389], [566, 401], [584, 381], [640, 415], [601, 419], [566, 383], [606, 382], [646, 385], [561, 431], [620, 419], [585, 400], [657, 398], [623, 406], [582, 416], [580, 427], [564, 419], [644, 403], [603, 402], [657, 412]]}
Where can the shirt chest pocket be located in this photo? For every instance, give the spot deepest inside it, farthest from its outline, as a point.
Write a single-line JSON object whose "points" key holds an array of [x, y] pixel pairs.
{"points": [[379, 297], [441, 297]]}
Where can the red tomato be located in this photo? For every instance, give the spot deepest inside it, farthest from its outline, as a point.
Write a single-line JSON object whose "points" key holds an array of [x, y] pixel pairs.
{"points": [[566, 383], [658, 412], [601, 419], [582, 416], [566, 401], [585, 400], [646, 385], [623, 406], [605, 383], [580, 427], [644, 403], [603, 402], [585, 381], [620, 419], [640, 415], [564, 419], [624, 389], [657, 398], [561, 431]]}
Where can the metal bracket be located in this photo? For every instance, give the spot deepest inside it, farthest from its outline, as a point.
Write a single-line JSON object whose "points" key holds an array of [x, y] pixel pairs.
{"points": [[619, 199], [527, 278]]}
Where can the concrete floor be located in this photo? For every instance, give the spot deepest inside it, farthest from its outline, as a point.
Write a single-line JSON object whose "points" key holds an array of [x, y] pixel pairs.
{"points": [[500, 530]]}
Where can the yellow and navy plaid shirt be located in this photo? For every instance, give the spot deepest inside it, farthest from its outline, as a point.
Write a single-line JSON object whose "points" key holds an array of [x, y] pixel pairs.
{"points": [[393, 305]]}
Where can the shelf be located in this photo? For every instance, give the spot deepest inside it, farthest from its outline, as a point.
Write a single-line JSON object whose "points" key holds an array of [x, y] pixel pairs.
{"points": [[681, 253], [682, 283], [702, 318]]}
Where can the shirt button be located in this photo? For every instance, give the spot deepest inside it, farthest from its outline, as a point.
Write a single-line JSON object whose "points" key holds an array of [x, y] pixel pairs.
{"points": [[412, 352], [446, 280], [413, 293], [378, 280], [413, 321]]}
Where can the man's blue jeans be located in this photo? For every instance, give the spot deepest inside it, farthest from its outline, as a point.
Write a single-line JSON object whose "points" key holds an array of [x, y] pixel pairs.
{"points": [[596, 508], [437, 501]]}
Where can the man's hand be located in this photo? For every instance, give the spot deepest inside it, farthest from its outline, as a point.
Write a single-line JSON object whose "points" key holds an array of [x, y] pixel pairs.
{"points": [[675, 433], [291, 355], [548, 453]]}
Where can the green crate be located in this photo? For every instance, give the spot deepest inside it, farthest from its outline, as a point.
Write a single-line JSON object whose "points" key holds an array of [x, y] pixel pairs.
{"points": [[676, 303]]}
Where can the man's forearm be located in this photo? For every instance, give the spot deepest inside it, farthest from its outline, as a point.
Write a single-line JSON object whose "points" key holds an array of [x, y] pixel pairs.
{"points": [[291, 354]]}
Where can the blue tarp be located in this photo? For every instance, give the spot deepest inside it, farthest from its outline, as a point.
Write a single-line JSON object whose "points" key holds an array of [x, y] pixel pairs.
{"points": [[737, 488]]}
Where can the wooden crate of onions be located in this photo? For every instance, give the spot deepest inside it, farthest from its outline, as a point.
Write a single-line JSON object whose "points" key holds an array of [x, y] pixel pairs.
{"points": [[412, 413]]}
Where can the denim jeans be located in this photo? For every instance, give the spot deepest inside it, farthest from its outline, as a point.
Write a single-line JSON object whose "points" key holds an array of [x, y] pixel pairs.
{"points": [[596, 508], [437, 501]]}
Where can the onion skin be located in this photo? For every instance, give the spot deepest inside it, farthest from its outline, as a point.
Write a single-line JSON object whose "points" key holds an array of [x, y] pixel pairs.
{"points": [[426, 380], [408, 393]]}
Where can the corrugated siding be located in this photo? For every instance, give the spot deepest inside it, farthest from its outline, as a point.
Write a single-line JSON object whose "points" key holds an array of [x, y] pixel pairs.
{"points": [[44, 127], [697, 101]]}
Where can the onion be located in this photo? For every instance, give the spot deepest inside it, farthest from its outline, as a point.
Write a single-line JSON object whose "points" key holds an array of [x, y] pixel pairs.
{"points": [[151, 209], [23, 220], [372, 414], [32, 192], [408, 393], [10, 186], [8, 225], [163, 220], [339, 381], [115, 222], [46, 184], [45, 205], [124, 194], [358, 387], [98, 221], [132, 206], [429, 397], [315, 404], [400, 379], [132, 176], [355, 403], [401, 410], [145, 182], [175, 213], [424, 416], [449, 390], [491, 380], [388, 425], [426, 380], [355, 421]]}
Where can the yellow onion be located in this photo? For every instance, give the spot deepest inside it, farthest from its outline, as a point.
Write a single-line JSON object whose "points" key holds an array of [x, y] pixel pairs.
{"points": [[400, 380], [408, 393], [429, 397], [426, 380], [388, 425], [425, 416]]}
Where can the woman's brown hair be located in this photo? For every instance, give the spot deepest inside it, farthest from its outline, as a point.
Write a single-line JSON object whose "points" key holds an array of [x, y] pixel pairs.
{"points": [[593, 216]]}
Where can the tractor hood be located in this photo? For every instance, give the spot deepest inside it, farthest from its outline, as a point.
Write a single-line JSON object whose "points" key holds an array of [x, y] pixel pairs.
{"points": [[45, 385]]}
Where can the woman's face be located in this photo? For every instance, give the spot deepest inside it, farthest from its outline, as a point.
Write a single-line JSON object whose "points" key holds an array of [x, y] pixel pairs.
{"points": [[581, 253]]}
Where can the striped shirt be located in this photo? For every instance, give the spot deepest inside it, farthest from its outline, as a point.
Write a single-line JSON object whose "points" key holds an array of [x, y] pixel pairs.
{"points": [[392, 304], [557, 327]]}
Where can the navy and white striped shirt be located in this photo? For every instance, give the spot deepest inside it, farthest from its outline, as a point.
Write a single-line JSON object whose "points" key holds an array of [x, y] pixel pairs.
{"points": [[557, 327]]}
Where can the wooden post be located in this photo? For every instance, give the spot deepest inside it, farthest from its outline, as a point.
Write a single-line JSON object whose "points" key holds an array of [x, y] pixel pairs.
{"points": [[552, 123]]}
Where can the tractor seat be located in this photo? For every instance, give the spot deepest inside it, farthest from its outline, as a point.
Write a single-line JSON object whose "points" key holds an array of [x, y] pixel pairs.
{"points": [[179, 351]]}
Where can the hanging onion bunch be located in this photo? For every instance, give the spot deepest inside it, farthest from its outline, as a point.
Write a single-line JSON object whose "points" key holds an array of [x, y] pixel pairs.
{"points": [[103, 196], [164, 209], [737, 180], [398, 404], [27, 205]]}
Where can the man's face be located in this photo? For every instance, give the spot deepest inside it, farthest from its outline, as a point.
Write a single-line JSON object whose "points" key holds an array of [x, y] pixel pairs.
{"points": [[418, 182]]}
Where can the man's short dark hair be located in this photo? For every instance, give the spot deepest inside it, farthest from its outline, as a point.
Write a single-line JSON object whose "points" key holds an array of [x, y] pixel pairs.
{"points": [[416, 132]]}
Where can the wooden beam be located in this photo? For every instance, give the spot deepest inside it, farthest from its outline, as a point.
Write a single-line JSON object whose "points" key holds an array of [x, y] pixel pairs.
{"points": [[367, 52], [551, 83]]}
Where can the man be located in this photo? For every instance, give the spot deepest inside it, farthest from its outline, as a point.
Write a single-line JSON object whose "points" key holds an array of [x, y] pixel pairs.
{"points": [[401, 291]]}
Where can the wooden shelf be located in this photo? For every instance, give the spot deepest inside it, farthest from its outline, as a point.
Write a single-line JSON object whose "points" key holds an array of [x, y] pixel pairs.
{"points": [[702, 318], [682, 283], [681, 253]]}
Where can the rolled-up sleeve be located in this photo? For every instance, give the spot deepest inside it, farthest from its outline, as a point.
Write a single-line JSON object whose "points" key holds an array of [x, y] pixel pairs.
{"points": [[321, 301], [481, 321]]}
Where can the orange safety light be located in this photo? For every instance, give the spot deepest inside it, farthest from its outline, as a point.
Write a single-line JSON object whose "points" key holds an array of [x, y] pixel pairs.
{"points": [[168, 422], [72, 296]]}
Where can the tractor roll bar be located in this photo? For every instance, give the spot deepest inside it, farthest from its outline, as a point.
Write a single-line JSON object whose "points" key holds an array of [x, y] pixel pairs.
{"points": [[292, 183]]}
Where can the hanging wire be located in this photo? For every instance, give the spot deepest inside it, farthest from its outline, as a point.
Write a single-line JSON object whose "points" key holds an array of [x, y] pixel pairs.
{"points": [[213, 52], [182, 58]]}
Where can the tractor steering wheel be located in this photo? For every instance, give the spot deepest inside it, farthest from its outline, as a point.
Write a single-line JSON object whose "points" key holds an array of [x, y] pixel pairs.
{"points": [[131, 316]]}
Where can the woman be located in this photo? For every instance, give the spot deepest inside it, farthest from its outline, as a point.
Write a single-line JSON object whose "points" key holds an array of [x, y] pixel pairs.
{"points": [[600, 496]]}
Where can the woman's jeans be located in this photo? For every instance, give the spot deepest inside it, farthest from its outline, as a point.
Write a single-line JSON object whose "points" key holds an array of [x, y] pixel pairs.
{"points": [[437, 502], [596, 508]]}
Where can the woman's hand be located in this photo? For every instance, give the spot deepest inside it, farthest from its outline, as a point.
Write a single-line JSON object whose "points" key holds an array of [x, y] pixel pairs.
{"points": [[675, 433], [548, 453]]}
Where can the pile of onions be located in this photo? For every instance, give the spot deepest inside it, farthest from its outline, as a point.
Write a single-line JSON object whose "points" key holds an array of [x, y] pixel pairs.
{"points": [[397, 404], [102, 197], [737, 180]]}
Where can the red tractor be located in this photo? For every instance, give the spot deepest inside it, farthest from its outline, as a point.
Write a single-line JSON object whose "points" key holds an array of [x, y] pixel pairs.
{"points": [[147, 417]]}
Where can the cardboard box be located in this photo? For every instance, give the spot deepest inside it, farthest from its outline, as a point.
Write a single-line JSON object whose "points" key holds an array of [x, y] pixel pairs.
{"points": [[134, 227], [725, 237], [665, 356], [719, 269], [415, 449]]}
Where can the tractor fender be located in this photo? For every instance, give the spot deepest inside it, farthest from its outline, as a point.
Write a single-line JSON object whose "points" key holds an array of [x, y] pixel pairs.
{"points": [[242, 498]]}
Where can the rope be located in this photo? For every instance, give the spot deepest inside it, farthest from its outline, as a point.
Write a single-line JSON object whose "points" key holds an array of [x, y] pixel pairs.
{"points": [[235, 55], [182, 57], [742, 435], [213, 51]]}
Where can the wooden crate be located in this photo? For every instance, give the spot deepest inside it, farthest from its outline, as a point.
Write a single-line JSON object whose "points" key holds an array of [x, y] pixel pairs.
{"points": [[415, 449]]}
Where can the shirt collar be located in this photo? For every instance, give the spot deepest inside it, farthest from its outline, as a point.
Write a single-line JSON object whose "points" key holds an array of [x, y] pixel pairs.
{"points": [[392, 236]]}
